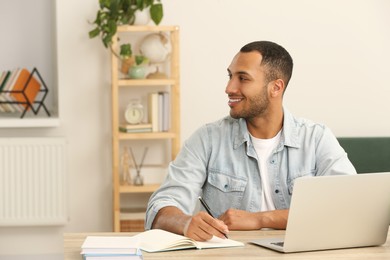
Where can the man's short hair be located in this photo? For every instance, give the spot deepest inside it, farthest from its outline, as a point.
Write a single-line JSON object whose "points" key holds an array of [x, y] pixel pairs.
{"points": [[276, 60]]}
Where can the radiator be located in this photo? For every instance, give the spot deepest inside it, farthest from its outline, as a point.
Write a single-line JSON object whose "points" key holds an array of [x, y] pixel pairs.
{"points": [[32, 181]]}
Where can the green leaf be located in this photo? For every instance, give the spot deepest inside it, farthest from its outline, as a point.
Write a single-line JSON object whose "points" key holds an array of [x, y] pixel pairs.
{"points": [[139, 59], [125, 50], [95, 32], [140, 4], [156, 13]]}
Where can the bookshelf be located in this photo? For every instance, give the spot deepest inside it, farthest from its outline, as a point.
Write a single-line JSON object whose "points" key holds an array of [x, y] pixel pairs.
{"points": [[122, 85]]}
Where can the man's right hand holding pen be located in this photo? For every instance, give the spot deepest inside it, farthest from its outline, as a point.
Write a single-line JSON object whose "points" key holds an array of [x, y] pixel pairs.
{"points": [[200, 227], [203, 226]]}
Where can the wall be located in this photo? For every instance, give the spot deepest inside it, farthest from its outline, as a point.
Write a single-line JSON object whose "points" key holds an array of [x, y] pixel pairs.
{"points": [[341, 63]]}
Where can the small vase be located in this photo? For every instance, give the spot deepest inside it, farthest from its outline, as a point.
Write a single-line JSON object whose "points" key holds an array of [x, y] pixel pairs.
{"points": [[142, 17], [137, 72]]}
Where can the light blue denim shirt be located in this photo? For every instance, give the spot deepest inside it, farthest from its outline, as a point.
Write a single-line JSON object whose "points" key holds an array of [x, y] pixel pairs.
{"points": [[220, 163]]}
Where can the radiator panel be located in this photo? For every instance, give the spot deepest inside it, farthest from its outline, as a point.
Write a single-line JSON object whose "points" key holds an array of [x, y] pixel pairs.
{"points": [[32, 181]]}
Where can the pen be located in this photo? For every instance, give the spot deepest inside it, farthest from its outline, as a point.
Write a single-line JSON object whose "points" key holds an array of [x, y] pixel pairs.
{"points": [[208, 210]]}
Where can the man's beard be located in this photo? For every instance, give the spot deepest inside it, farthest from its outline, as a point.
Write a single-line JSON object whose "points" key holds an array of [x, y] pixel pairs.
{"points": [[258, 106]]}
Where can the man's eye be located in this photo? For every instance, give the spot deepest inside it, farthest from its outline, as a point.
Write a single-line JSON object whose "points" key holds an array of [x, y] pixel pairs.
{"points": [[243, 79]]}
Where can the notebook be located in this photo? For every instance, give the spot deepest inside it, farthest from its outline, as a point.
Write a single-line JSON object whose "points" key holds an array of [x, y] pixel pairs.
{"points": [[331, 212], [154, 240]]}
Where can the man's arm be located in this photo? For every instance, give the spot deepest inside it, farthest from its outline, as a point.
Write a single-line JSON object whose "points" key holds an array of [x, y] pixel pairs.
{"points": [[243, 220], [200, 227]]}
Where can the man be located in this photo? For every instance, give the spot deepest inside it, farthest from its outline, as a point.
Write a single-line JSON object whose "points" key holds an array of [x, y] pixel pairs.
{"points": [[245, 164]]}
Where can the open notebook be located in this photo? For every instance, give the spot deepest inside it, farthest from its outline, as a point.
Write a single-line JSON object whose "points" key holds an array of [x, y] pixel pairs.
{"points": [[155, 240]]}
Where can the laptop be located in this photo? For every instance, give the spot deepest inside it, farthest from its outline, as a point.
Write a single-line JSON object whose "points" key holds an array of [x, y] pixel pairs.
{"points": [[332, 212]]}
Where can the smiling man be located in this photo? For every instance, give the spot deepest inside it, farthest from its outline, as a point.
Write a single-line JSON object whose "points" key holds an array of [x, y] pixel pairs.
{"points": [[244, 165]]}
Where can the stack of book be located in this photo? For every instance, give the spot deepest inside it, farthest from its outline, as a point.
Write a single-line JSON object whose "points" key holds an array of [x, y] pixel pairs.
{"points": [[102, 248], [17, 90], [138, 128], [159, 111]]}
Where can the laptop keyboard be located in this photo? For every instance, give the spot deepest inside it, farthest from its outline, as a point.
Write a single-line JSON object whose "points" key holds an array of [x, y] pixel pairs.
{"points": [[281, 244]]}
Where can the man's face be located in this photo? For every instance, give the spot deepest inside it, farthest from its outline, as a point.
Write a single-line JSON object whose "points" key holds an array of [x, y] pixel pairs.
{"points": [[247, 88]]}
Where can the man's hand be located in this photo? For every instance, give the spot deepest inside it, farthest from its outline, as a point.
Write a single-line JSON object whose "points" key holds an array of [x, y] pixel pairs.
{"points": [[202, 227], [243, 220]]}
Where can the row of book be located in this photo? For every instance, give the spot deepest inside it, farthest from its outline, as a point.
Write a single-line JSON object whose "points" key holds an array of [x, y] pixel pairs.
{"points": [[18, 90], [159, 119]]}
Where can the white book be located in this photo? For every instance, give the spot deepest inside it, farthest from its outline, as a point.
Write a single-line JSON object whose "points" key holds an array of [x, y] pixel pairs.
{"points": [[2, 78], [153, 110], [4, 96], [160, 111], [167, 112]]}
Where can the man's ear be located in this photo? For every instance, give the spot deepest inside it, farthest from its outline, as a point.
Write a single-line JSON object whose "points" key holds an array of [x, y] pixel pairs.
{"points": [[277, 88]]}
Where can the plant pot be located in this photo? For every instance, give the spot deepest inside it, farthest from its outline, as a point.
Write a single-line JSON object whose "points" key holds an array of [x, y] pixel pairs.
{"points": [[127, 64], [137, 72], [142, 17]]}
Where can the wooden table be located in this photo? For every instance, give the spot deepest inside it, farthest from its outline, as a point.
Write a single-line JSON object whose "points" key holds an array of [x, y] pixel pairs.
{"points": [[73, 242]]}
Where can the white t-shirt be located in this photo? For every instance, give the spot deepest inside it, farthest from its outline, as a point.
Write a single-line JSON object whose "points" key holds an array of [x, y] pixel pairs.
{"points": [[264, 149]]}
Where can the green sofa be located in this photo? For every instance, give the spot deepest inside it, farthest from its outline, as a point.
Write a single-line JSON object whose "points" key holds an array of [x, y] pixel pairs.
{"points": [[368, 154]]}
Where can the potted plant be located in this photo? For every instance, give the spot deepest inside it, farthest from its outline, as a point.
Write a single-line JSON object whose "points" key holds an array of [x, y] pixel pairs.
{"points": [[119, 12], [126, 56]]}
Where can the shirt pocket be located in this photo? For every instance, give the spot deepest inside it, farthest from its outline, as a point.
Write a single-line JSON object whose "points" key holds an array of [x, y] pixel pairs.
{"points": [[224, 191]]}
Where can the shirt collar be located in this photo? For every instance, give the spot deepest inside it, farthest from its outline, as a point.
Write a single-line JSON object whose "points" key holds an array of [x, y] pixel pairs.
{"points": [[289, 135]]}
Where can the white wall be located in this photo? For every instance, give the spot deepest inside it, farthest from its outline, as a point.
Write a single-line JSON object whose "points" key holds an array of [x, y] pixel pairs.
{"points": [[341, 54]]}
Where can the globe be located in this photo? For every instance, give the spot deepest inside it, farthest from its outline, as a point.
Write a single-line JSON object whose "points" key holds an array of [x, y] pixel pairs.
{"points": [[156, 47]]}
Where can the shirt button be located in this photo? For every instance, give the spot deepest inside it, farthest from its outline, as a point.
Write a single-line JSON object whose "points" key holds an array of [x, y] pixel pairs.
{"points": [[276, 191], [226, 186]]}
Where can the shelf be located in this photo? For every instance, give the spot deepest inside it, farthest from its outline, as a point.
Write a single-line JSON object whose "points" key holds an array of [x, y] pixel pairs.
{"points": [[170, 140], [145, 82], [146, 28], [12, 122], [145, 136], [138, 189]]}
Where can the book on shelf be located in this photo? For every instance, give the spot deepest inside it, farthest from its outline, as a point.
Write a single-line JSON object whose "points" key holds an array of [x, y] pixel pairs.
{"points": [[138, 128], [4, 96], [3, 80], [11, 87], [156, 240], [159, 111], [153, 110], [167, 112], [164, 111], [29, 85]]}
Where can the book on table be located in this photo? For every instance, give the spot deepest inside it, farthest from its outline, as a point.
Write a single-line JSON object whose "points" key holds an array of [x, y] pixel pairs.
{"points": [[111, 248], [157, 240]]}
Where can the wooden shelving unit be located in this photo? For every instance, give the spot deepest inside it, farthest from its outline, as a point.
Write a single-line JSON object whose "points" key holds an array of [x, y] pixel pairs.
{"points": [[173, 135]]}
